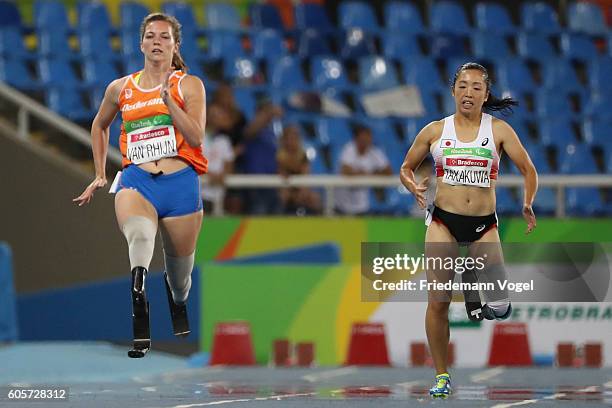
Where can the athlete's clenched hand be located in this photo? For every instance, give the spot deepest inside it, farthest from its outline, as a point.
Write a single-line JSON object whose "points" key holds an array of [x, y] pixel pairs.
{"points": [[530, 218]]}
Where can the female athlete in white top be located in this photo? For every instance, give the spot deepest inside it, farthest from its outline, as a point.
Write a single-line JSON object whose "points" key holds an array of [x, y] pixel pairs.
{"points": [[466, 148]]}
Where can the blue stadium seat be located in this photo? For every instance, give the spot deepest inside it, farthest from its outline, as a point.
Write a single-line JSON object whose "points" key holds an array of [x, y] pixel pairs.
{"points": [[576, 159], [514, 74], [376, 73], [448, 17], [68, 103], [520, 112], [246, 100], [96, 47], [403, 17], [58, 73], [559, 74], [384, 135], [15, 73], [599, 72], [519, 126], [598, 105], [195, 68], [556, 132], [130, 42], [493, 18], [356, 43], [545, 202], [505, 201], [222, 16], [398, 45], [132, 63], [54, 44], [316, 159], [357, 14], [598, 133], [189, 47], [312, 42], [445, 46], [51, 15], [399, 200], [583, 201], [535, 46], [578, 47], [115, 131], [10, 16], [225, 45], [99, 73], [265, 16], [448, 104], [423, 73], [132, 14], [539, 17], [313, 15], [333, 132], [587, 18], [328, 72], [268, 45], [240, 71], [538, 156], [185, 14], [286, 74], [12, 44], [93, 17], [490, 46], [412, 126]]}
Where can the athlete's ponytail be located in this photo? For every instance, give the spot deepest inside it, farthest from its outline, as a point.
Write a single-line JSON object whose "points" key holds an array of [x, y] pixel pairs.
{"points": [[504, 105], [177, 60]]}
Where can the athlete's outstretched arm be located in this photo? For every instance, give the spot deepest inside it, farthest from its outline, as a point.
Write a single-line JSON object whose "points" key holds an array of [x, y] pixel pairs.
{"points": [[519, 156], [99, 138], [416, 154], [191, 121]]}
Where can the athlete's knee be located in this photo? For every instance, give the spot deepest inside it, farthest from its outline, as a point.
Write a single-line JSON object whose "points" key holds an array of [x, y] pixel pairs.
{"points": [[140, 234], [439, 308]]}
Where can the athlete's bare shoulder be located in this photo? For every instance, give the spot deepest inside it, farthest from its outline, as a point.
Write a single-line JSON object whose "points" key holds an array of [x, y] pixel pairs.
{"points": [[114, 88], [501, 128], [432, 131]]}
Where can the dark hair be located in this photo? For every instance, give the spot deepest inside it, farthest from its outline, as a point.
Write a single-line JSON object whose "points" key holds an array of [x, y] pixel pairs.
{"points": [[177, 59], [359, 128], [492, 103]]}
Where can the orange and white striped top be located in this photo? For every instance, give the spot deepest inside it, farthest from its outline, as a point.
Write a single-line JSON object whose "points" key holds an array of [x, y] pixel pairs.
{"points": [[147, 131]]}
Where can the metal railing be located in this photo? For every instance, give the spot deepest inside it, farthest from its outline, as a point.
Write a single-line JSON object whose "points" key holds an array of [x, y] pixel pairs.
{"points": [[330, 182], [28, 107]]}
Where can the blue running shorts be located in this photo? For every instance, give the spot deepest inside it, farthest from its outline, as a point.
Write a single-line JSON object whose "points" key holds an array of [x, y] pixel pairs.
{"points": [[172, 195]]}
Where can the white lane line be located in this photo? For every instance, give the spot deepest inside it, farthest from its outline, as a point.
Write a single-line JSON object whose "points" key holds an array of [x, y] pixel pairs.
{"points": [[592, 388], [529, 401], [608, 384], [486, 375], [272, 397], [409, 384], [325, 375], [149, 389]]}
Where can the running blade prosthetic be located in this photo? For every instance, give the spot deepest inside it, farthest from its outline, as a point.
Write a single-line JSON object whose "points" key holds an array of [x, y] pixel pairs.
{"points": [[140, 314], [178, 313]]}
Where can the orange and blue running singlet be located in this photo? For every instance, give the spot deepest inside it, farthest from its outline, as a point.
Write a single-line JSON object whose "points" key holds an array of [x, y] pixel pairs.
{"points": [[147, 131]]}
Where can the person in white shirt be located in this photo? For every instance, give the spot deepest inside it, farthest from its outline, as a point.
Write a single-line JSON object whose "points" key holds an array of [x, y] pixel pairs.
{"points": [[220, 154], [359, 157]]}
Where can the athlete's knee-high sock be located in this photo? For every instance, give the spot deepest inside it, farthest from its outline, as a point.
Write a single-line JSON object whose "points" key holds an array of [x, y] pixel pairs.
{"points": [[178, 271], [140, 233]]}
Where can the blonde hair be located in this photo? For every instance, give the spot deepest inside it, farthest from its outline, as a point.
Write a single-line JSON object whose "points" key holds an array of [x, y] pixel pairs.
{"points": [[177, 59]]}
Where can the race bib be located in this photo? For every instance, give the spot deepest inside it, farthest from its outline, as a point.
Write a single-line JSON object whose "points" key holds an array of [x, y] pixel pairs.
{"points": [[469, 166], [150, 139]]}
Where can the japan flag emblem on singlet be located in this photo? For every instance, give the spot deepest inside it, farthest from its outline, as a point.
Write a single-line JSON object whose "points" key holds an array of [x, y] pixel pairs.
{"points": [[444, 143]]}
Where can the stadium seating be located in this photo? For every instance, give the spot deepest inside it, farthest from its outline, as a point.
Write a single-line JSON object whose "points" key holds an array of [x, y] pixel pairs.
{"points": [[559, 69]]}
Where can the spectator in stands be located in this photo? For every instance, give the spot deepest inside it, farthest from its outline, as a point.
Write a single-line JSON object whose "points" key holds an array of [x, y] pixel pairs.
{"points": [[231, 120], [358, 158], [260, 156], [291, 159], [220, 154], [164, 115], [466, 148]]}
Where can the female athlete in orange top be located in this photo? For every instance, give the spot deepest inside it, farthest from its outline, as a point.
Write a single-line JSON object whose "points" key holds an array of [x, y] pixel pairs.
{"points": [[163, 112]]}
